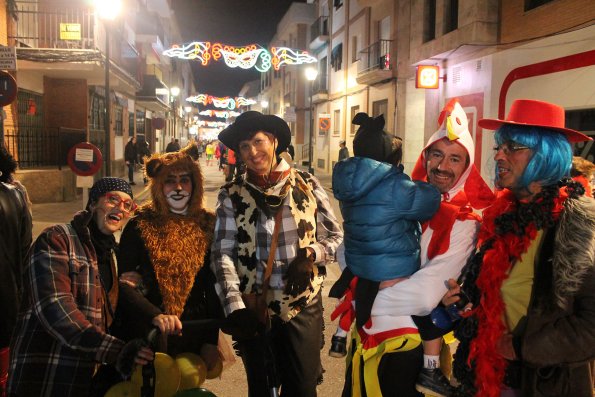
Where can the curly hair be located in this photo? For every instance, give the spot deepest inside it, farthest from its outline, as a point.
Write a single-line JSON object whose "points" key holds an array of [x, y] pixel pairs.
{"points": [[8, 165], [551, 153]]}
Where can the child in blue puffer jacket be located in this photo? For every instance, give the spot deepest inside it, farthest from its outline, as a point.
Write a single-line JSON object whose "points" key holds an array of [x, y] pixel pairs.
{"points": [[382, 209]]}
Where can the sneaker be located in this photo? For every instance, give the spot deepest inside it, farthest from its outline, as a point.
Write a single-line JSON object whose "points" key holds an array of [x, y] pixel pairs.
{"points": [[432, 382], [338, 346]]}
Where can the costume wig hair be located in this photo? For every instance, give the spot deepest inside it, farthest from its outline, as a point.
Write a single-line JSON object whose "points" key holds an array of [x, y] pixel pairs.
{"points": [[551, 153], [159, 166]]}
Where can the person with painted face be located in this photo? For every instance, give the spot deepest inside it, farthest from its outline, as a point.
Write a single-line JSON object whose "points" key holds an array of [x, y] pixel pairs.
{"points": [[274, 235], [70, 295], [164, 256]]}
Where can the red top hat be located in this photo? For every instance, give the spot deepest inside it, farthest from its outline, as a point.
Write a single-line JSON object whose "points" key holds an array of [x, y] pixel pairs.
{"points": [[535, 113]]}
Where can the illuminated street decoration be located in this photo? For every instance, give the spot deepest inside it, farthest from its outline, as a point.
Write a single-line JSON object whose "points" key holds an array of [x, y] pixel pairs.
{"points": [[212, 124], [288, 56], [244, 57], [195, 50], [221, 102], [222, 114]]}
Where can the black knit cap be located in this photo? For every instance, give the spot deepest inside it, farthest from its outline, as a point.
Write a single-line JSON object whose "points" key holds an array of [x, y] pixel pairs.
{"points": [[371, 140], [108, 184], [253, 121]]}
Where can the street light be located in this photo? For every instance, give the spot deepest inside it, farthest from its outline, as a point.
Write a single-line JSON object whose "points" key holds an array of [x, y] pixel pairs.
{"points": [[174, 91], [107, 10], [311, 74]]}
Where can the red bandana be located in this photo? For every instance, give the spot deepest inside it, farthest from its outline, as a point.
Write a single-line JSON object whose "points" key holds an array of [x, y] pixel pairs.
{"points": [[266, 181], [497, 262]]}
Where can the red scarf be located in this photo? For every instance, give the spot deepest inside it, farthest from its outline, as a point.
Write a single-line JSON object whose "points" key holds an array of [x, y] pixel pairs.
{"points": [[267, 180], [497, 262]]}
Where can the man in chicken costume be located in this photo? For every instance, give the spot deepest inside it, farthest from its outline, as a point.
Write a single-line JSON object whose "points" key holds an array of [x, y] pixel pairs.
{"points": [[164, 254], [447, 241]]}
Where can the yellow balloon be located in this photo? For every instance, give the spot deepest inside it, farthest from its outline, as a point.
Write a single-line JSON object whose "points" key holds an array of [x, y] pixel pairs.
{"points": [[193, 370], [167, 376], [215, 372], [123, 389]]}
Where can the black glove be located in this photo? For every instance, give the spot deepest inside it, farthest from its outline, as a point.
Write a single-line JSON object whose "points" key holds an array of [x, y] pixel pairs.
{"points": [[241, 324], [299, 273], [125, 361]]}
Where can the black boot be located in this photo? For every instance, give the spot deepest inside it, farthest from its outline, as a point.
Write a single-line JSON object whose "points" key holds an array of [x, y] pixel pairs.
{"points": [[338, 346], [432, 382]]}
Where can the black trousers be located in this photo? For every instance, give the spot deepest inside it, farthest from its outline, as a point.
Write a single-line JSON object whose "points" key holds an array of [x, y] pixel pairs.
{"points": [[287, 356], [130, 171]]}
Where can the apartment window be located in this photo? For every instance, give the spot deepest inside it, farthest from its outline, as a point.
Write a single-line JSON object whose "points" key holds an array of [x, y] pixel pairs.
{"points": [[380, 107], [354, 49], [140, 122], [130, 123], [97, 118], [582, 120], [337, 122], [429, 32], [354, 111], [337, 57], [338, 4], [451, 15], [531, 4], [118, 120]]}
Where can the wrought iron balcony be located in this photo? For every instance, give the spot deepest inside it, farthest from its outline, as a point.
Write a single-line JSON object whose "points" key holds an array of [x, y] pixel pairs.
{"points": [[41, 25], [319, 33], [375, 63]]}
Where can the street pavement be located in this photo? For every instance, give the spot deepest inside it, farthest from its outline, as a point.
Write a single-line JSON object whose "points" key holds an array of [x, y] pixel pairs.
{"points": [[233, 380]]}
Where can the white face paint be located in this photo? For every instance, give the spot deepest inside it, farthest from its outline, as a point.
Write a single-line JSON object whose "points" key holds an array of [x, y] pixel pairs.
{"points": [[177, 190]]}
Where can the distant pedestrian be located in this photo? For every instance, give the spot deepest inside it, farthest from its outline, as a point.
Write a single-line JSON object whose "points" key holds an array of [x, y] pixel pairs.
{"points": [[173, 146], [230, 170], [210, 151], [583, 171], [131, 157], [70, 294], [144, 152], [15, 236], [343, 152], [291, 151]]}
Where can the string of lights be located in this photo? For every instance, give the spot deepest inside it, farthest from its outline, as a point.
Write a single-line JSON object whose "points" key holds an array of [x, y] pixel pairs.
{"points": [[220, 102]]}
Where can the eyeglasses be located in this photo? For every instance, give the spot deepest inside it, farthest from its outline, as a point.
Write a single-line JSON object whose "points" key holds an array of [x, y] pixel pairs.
{"points": [[116, 200], [510, 147]]}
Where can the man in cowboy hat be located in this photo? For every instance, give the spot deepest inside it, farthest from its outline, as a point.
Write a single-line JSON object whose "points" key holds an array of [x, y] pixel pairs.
{"points": [[274, 235], [532, 280]]}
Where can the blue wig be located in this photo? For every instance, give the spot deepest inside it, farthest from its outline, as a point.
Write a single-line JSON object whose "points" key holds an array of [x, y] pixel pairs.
{"points": [[552, 153]]}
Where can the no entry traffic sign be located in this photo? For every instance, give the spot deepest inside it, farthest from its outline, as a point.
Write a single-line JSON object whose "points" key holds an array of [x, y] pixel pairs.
{"points": [[8, 88], [84, 159]]}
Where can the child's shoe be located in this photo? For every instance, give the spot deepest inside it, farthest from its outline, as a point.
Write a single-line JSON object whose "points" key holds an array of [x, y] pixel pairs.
{"points": [[338, 346], [432, 382]]}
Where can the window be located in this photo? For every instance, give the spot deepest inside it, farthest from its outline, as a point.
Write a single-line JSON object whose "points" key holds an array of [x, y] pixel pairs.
{"points": [[118, 120], [337, 4], [380, 107], [337, 122], [97, 118], [354, 111], [354, 49], [451, 15], [337, 57], [140, 122], [429, 32], [130, 123], [582, 120], [531, 4]]}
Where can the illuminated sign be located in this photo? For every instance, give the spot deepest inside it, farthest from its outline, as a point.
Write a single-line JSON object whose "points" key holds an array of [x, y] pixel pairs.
{"points": [[70, 31], [427, 77]]}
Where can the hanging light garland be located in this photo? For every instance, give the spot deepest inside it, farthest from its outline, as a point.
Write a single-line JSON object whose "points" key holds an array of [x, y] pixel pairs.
{"points": [[222, 114], [221, 102], [245, 57]]}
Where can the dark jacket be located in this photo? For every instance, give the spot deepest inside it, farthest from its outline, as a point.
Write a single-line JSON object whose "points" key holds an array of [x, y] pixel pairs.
{"points": [[60, 335], [15, 239], [556, 340], [130, 154]]}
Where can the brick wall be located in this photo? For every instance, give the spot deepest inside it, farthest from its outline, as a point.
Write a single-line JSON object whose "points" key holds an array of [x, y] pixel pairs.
{"points": [[65, 103], [556, 16]]}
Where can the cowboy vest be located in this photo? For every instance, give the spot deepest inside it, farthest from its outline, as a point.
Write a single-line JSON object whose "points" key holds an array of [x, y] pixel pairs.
{"points": [[301, 203]]}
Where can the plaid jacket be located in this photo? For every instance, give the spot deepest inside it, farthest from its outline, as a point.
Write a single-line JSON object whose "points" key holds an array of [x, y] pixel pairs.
{"points": [[224, 250], [60, 332]]}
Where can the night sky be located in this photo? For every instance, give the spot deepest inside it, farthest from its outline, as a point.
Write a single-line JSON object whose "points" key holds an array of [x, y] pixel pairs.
{"points": [[233, 22]]}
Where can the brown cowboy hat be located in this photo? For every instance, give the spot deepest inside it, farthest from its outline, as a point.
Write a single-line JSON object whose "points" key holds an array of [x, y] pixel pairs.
{"points": [[536, 113], [253, 121]]}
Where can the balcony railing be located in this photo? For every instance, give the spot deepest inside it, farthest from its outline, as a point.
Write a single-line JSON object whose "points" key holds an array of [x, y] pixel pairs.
{"points": [[320, 85], [52, 26], [377, 56], [319, 28]]}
